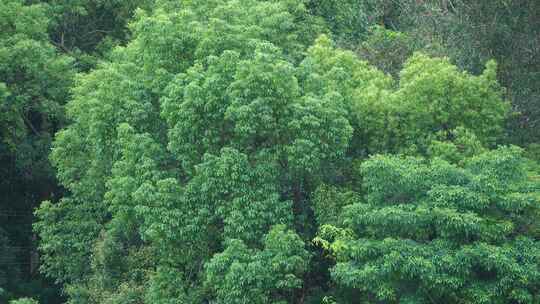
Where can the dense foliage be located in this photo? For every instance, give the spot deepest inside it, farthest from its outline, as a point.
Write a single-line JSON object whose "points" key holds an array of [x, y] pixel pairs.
{"points": [[36, 76], [427, 231], [34, 84], [284, 151]]}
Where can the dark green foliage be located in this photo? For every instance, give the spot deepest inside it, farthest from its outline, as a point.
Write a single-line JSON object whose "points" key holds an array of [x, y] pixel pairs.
{"points": [[34, 84], [506, 31], [35, 81], [386, 49], [10, 274], [88, 30], [348, 20]]}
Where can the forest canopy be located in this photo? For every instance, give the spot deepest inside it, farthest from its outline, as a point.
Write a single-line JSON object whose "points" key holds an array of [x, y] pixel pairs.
{"points": [[284, 151]]}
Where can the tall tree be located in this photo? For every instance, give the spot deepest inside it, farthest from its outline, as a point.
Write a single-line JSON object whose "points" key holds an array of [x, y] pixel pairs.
{"points": [[192, 136]]}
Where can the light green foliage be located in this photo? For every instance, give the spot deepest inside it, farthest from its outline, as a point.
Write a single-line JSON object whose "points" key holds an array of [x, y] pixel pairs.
{"points": [[226, 199], [469, 33], [428, 231], [67, 229], [35, 83], [431, 99], [256, 105], [241, 275], [24, 301], [438, 97], [533, 152], [505, 31], [472, 33], [181, 145], [245, 197], [82, 167], [456, 145], [135, 173], [333, 73]]}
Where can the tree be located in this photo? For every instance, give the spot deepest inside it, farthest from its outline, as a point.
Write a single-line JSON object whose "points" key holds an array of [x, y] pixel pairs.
{"points": [[186, 142], [195, 150], [241, 275], [469, 33], [432, 98], [42, 45], [427, 231]]}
